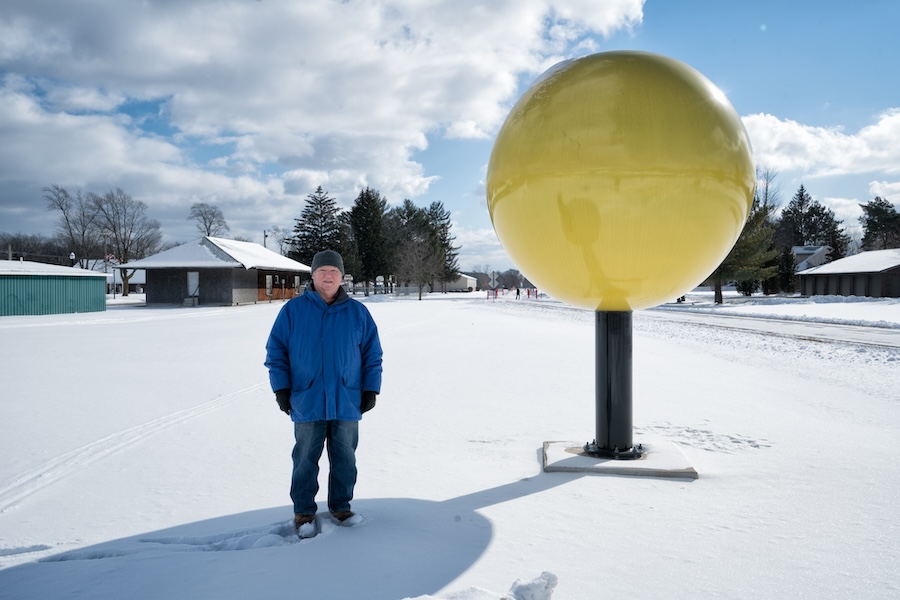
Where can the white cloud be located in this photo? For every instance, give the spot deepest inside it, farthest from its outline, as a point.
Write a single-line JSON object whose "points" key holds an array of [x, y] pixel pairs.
{"points": [[847, 211], [480, 246], [889, 190], [82, 99], [279, 93], [76, 149], [801, 152], [466, 130], [820, 151]]}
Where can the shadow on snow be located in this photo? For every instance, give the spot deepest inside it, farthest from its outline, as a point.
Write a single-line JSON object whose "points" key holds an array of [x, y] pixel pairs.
{"points": [[404, 548]]}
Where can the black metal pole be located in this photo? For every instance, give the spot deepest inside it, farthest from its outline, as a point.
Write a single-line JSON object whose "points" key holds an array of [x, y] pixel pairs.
{"points": [[613, 386]]}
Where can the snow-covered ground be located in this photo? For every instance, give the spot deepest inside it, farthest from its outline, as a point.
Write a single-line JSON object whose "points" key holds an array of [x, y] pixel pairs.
{"points": [[144, 457], [847, 310]]}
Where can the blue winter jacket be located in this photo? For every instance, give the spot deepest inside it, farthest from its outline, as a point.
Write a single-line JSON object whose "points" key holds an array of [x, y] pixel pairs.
{"points": [[327, 355]]}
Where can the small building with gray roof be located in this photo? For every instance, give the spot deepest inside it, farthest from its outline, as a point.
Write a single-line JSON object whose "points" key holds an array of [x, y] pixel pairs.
{"points": [[875, 274], [217, 271]]}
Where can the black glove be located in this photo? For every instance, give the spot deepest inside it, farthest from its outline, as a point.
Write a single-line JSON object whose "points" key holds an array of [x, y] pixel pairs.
{"points": [[283, 398], [368, 401]]}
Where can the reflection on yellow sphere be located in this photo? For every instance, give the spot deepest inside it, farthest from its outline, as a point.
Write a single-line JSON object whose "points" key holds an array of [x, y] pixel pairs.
{"points": [[620, 180]]}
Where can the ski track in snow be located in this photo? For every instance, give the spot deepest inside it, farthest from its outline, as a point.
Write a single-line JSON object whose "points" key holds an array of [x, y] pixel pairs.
{"points": [[23, 485], [112, 316]]}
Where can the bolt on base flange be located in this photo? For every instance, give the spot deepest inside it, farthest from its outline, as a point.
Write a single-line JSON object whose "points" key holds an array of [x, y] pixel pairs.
{"points": [[631, 453]]}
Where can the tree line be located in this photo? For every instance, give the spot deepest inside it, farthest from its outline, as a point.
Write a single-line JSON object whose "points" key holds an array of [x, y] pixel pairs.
{"points": [[763, 258], [405, 245], [112, 228], [413, 246]]}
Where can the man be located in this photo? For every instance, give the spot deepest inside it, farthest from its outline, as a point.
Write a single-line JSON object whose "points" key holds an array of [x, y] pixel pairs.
{"points": [[324, 361]]}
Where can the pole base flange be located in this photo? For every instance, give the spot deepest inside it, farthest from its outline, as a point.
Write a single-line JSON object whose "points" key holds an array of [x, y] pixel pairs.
{"points": [[632, 453]]}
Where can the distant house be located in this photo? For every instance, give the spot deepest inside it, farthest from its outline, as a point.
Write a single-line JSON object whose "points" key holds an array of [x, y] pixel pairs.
{"points": [[31, 288], [463, 283], [219, 272], [875, 274], [136, 284], [807, 257]]}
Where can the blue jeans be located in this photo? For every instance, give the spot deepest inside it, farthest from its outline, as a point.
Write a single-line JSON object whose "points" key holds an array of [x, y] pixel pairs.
{"points": [[342, 438]]}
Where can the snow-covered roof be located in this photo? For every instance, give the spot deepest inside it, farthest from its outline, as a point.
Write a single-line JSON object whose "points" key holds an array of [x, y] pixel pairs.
{"points": [[27, 267], [809, 250], [807, 257], [874, 261], [211, 252]]}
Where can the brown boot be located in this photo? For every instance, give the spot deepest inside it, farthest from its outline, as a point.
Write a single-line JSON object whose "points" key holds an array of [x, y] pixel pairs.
{"points": [[342, 515], [300, 520]]}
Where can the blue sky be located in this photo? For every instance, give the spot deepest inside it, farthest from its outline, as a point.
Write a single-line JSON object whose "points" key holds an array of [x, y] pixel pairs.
{"points": [[251, 104]]}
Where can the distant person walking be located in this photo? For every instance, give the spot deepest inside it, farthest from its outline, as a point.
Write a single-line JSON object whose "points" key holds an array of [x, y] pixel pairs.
{"points": [[324, 359]]}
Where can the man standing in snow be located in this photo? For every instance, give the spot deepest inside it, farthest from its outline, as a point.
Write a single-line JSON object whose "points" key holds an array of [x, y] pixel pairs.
{"points": [[324, 361]]}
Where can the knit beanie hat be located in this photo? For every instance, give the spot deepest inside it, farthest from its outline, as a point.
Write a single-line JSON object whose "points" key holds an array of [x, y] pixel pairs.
{"points": [[328, 258]]}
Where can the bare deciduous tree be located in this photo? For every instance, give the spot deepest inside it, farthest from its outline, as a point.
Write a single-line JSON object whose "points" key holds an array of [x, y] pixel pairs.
{"points": [[482, 275], [35, 247], [130, 232], [417, 263], [282, 237], [210, 220], [509, 279], [77, 224]]}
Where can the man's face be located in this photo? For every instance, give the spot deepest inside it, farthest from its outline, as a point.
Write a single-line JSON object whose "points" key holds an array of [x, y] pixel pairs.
{"points": [[327, 280]]}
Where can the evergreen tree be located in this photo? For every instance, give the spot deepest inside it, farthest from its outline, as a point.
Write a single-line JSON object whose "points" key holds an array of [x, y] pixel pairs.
{"points": [[881, 224], [748, 260], [767, 193], [439, 219], [367, 218], [806, 222], [414, 248], [795, 220], [318, 227], [402, 224], [786, 270], [837, 240], [348, 248]]}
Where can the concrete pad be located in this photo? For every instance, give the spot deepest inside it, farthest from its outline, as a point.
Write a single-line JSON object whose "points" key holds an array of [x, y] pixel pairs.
{"points": [[661, 458]]}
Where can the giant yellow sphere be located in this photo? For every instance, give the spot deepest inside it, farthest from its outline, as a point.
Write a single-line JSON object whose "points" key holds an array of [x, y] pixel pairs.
{"points": [[620, 180]]}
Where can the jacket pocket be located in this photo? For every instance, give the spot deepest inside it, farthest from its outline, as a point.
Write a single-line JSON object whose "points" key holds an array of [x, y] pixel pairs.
{"points": [[302, 381]]}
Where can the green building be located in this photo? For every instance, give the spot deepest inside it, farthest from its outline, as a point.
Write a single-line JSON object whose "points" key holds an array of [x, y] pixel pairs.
{"points": [[30, 288]]}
